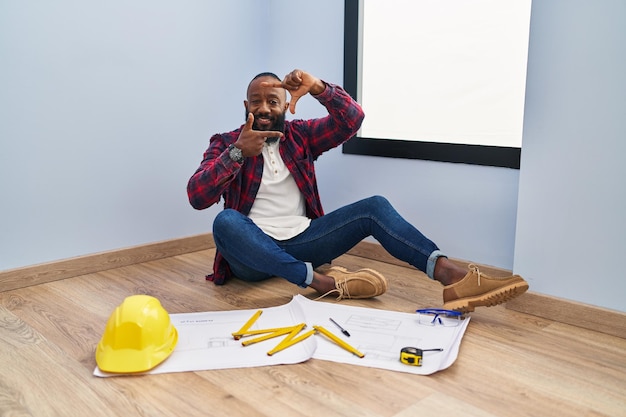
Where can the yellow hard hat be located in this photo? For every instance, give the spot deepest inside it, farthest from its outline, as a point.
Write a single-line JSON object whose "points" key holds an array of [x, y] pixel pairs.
{"points": [[138, 336]]}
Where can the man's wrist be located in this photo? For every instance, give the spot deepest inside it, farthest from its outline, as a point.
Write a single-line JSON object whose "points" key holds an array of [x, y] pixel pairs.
{"points": [[318, 88], [235, 154]]}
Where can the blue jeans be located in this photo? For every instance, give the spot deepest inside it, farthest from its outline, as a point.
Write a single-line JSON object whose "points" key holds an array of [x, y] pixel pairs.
{"points": [[255, 256]]}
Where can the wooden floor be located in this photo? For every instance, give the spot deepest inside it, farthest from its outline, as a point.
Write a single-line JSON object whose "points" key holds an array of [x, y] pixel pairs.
{"points": [[510, 363]]}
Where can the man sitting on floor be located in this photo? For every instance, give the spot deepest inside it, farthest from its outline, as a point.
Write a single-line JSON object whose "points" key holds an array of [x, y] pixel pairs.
{"points": [[273, 223]]}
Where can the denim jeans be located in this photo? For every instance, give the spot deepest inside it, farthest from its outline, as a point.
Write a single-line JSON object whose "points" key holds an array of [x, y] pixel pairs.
{"points": [[254, 256]]}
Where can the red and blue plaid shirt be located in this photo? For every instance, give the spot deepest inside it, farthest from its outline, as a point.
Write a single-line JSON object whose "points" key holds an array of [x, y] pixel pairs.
{"points": [[303, 142]]}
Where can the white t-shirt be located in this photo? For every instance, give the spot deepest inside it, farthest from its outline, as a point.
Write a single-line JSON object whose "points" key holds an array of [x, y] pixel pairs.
{"points": [[279, 207]]}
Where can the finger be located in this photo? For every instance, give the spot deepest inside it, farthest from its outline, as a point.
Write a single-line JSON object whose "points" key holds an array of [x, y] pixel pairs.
{"points": [[292, 104], [278, 84], [268, 134], [249, 122], [294, 77], [273, 84], [297, 76]]}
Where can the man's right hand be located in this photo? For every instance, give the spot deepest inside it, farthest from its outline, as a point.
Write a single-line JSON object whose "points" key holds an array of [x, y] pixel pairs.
{"points": [[251, 141]]}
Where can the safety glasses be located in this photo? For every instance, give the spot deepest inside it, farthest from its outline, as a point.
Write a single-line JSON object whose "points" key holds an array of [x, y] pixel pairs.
{"points": [[439, 317]]}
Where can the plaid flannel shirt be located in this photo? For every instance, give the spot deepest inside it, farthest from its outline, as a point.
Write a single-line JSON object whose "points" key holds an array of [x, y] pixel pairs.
{"points": [[303, 142]]}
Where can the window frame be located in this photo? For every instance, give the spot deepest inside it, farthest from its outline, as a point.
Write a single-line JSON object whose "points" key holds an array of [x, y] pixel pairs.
{"points": [[496, 156]]}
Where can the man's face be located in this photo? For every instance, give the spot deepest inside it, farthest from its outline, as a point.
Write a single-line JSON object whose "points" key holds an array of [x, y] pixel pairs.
{"points": [[267, 104]]}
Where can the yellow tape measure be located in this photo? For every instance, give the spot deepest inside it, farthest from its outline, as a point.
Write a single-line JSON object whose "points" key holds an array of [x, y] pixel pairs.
{"points": [[413, 356]]}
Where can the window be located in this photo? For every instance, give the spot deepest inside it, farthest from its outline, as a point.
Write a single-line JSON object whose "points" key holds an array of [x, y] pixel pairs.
{"points": [[440, 80]]}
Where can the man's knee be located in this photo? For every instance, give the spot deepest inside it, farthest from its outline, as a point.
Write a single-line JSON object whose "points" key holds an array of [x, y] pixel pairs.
{"points": [[378, 201], [226, 220]]}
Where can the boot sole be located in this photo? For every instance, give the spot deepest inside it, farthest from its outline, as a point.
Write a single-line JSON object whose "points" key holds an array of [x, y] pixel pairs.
{"points": [[490, 299]]}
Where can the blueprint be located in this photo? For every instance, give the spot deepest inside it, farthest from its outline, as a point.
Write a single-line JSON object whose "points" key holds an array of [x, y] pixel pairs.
{"points": [[205, 340]]}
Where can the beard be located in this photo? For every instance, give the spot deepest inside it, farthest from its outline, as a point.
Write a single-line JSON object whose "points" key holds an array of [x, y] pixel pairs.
{"points": [[277, 122]]}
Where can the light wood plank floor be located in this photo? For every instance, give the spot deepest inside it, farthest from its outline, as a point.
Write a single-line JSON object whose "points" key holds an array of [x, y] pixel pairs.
{"points": [[510, 363]]}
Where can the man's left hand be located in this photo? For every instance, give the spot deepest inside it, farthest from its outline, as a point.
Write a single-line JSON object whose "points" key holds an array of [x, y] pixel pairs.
{"points": [[298, 83]]}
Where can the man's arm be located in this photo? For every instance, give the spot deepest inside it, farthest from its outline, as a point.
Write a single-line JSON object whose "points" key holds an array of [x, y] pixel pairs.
{"points": [[344, 120], [216, 171], [345, 115]]}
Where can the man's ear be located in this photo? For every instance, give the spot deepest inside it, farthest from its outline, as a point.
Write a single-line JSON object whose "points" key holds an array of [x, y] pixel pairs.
{"points": [[245, 104], [286, 107]]}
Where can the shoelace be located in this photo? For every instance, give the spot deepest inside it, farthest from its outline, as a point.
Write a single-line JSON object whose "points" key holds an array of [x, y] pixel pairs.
{"points": [[341, 289], [474, 268]]}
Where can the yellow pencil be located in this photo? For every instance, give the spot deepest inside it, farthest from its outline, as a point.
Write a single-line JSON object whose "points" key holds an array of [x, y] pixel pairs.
{"points": [[239, 335], [338, 341], [277, 333], [292, 342], [289, 340], [248, 324], [294, 331]]}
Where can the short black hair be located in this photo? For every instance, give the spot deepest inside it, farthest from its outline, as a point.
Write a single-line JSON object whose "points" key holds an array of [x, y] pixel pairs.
{"points": [[262, 74], [266, 74]]}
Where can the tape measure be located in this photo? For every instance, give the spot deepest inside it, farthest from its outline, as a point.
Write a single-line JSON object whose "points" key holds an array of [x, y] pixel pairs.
{"points": [[413, 356]]}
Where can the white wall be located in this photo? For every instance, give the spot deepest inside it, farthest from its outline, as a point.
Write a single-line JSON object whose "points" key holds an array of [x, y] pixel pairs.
{"points": [[571, 228], [105, 109]]}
